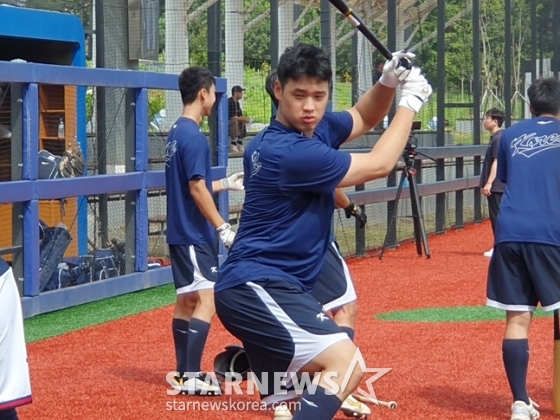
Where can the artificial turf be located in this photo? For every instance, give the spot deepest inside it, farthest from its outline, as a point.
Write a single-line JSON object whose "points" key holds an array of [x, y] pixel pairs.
{"points": [[95, 313], [451, 314]]}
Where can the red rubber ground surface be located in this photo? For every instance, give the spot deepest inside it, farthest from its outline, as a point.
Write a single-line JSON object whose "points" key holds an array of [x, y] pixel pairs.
{"points": [[440, 371]]}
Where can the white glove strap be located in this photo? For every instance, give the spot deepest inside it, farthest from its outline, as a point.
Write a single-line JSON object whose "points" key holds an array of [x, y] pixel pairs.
{"points": [[225, 183], [411, 102], [225, 226]]}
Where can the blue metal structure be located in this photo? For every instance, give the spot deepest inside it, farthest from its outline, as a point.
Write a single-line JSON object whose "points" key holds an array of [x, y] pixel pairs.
{"points": [[42, 36], [30, 190]]}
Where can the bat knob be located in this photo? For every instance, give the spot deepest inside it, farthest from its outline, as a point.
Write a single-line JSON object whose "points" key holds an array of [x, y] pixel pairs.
{"points": [[392, 405]]}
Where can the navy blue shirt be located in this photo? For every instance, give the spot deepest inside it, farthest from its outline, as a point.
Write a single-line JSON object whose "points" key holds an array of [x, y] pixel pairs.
{"points": [[285, 222], [187, 158], [529, 164], [490, 155]]}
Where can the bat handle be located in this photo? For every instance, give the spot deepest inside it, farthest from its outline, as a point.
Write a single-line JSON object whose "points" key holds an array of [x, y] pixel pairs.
{"points": [[405, 62]]}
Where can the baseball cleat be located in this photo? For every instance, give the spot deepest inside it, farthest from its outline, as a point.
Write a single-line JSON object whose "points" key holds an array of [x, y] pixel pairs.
{"points": [[281, 412], [522, 411], [351, 407], [200, 385]]}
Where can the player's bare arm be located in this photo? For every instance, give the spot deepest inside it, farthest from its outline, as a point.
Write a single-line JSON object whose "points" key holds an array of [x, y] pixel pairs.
{"points": [[491, 178], [341, 200], [205, 202], [379, 162]]}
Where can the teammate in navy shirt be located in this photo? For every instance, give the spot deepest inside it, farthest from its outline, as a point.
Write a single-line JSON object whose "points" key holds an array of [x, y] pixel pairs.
{"points": [[525, 267], [192, 223], [333, 287], [262, 294], [490, 185]]}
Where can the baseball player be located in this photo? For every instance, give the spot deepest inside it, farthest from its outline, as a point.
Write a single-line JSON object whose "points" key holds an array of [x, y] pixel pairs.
{"points": [[263, 294], [334, 288], [192, 224], [525, 264], [15, 386]]}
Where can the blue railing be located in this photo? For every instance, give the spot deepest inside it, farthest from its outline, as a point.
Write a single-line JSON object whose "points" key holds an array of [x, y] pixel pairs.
{"points": [[29, 190]]}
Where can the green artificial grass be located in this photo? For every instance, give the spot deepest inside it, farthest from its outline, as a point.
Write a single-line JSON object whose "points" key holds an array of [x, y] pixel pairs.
{"points": [[451, 314], [95, 313]]}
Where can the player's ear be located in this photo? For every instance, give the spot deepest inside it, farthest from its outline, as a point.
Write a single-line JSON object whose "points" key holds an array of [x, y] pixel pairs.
{"points": [[203, 94], [277, 90]]}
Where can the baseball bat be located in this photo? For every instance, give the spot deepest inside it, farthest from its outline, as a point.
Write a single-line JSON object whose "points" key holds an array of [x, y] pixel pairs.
{"points": [[366, 400], [556, 365], [359, 24]]}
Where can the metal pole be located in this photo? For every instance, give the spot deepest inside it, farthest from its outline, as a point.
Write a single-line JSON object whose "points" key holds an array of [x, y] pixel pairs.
{"points": [[391, 236], [533, 8], [101, 121], [476, 111], [274, 34], [508, 62], [214, 44], [355, 68], [214, 41], [440, 139], [556, 36]]}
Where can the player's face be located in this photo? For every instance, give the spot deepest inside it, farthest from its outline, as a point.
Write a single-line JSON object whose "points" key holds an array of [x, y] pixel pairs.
{"points": [[302, 103], [209, 98], [488, 123]]}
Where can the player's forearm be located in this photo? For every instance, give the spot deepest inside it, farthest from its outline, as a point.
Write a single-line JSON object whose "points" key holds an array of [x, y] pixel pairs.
{"points": [[374, 105], [493, 172], [379, 162], [217, 186], [341, 200], [205, 204]]}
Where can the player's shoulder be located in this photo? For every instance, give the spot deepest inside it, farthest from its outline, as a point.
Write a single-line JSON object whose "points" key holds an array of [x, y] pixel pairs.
{"points": [[186, 131]]}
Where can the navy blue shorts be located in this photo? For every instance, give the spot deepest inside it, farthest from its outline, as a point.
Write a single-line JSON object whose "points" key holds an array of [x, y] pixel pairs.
{"points": [[522, 274], [282, 328], [334, 287], [194, 267]]}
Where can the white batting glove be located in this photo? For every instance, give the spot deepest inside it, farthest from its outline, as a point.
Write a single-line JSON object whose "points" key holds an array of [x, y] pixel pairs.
{"points": [[227, 235], [415, 91], [393, 73], [233, 182]]}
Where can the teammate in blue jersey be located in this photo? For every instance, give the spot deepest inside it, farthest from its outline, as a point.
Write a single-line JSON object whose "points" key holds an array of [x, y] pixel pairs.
{"points": [[333, 288], [525, 266], [192, 223], [262, 294]]}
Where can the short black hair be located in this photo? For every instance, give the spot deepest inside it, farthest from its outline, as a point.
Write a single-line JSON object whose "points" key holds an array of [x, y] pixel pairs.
{"points": [[269, 86], [192, 80], [495, 114], [544, 96], [304, 60]]}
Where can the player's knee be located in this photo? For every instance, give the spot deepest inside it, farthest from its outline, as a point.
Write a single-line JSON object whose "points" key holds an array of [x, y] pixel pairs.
{"points": [[186, 302], [346, 315], [206, 302], [350, 309]]}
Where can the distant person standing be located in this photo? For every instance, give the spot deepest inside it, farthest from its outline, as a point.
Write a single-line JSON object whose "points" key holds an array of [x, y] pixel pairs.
{"points": [[490, 185], [237, 121]]}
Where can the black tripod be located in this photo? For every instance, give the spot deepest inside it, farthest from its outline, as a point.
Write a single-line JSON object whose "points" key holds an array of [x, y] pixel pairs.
{"points": [[409, 173]]}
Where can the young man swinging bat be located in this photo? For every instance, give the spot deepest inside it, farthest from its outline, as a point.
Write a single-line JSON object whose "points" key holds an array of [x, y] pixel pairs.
{"points": [[263, 290]]}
